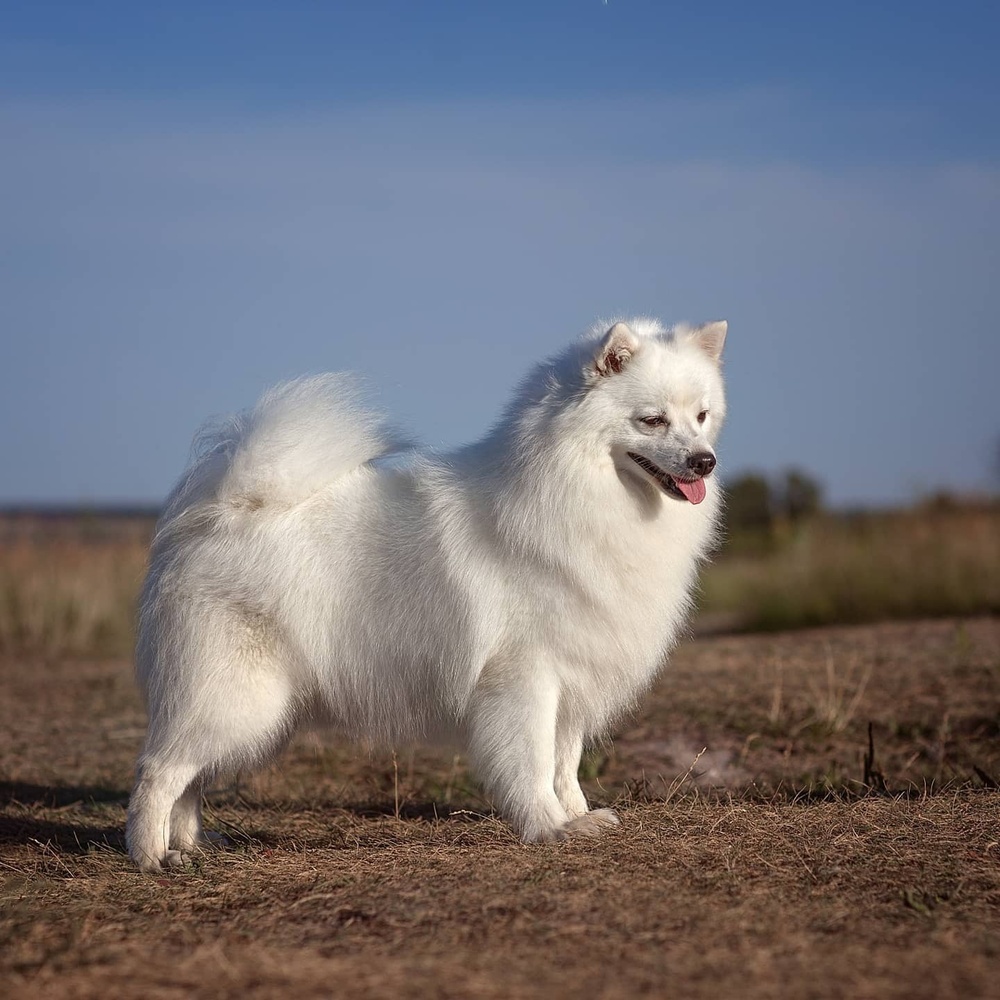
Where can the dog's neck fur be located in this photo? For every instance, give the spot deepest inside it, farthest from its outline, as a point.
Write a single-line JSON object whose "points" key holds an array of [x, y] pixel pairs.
{"points": [[532, 466]]}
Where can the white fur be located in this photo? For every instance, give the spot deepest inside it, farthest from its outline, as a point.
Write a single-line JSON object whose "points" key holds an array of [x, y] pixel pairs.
{"points": [[515, 596]]}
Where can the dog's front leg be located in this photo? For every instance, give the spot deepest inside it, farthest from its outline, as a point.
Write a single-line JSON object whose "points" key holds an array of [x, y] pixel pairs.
{"points": [[588, 822], [569, 749], [512, 744]]}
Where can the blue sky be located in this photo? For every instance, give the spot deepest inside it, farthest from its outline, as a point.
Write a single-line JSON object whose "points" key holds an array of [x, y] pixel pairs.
{"points": [[197, 200]]}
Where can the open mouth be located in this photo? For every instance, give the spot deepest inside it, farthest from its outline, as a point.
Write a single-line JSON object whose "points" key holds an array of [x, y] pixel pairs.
{"points": [[680, 489]]}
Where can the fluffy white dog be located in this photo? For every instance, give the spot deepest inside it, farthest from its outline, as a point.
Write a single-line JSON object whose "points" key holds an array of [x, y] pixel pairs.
{"points": [[513, 597]]}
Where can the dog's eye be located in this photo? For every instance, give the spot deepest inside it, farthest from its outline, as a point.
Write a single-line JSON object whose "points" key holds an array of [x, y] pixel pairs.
{"points": [[702, 416], [654, 421]]}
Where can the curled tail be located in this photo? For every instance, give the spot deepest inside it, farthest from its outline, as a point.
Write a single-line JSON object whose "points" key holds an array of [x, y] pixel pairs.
{"points": [[301, 436]]}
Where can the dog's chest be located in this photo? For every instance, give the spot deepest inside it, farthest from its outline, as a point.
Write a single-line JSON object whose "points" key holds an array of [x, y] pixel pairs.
{"points": [[612, 613]]}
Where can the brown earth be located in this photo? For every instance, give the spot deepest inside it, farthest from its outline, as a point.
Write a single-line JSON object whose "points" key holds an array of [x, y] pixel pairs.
{"points": [[760, 855]]}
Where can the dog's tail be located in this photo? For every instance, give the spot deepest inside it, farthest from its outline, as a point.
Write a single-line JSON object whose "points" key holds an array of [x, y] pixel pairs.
{"points": [[301, 437]]}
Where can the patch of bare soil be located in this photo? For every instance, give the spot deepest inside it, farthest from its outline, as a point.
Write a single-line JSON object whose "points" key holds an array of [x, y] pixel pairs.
{"points": [[769, 847]]}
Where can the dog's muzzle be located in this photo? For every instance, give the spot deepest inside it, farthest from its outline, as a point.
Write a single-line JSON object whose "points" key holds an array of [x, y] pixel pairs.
{"points": [[692, 490]]}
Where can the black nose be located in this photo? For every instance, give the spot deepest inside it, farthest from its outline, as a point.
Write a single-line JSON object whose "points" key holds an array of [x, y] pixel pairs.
{"points": [[701, 462]]}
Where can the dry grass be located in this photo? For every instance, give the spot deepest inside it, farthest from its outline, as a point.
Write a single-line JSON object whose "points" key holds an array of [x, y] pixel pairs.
{"points": [[69, 596], [761, 866], [880, 898], [907, 564]]}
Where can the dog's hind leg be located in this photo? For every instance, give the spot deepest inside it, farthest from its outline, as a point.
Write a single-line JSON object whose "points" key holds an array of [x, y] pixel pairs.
{"points": [[186, 831], [148, 830], [234, 719]]}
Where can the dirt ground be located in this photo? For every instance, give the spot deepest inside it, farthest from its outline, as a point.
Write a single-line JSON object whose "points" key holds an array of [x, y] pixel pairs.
{"points": [[763, 851]]}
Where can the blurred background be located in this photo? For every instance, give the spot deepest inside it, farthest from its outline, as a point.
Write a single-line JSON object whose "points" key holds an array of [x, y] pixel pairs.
{"points": [[198, 200]]}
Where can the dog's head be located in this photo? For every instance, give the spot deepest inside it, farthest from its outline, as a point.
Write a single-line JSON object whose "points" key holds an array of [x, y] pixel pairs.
{"points": [[656, 397]]}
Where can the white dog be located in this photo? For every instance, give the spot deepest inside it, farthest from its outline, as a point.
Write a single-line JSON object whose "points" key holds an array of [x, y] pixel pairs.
{"points": [[513, 597]]}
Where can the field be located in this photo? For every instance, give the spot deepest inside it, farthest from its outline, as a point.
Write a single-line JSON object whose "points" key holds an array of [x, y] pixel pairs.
{"points": [[811, 813]]}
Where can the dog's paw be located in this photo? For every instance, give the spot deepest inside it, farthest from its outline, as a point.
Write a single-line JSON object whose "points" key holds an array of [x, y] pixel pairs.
{"points": [[591, 824], [542, 835], [171, 861]]}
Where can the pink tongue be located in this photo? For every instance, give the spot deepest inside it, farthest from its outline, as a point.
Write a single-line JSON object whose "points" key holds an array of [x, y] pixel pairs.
{"points": [[695, 492]]}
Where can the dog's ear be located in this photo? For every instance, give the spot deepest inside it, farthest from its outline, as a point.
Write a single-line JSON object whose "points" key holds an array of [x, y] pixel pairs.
{"points": [[710, 338], [615, 352]]}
